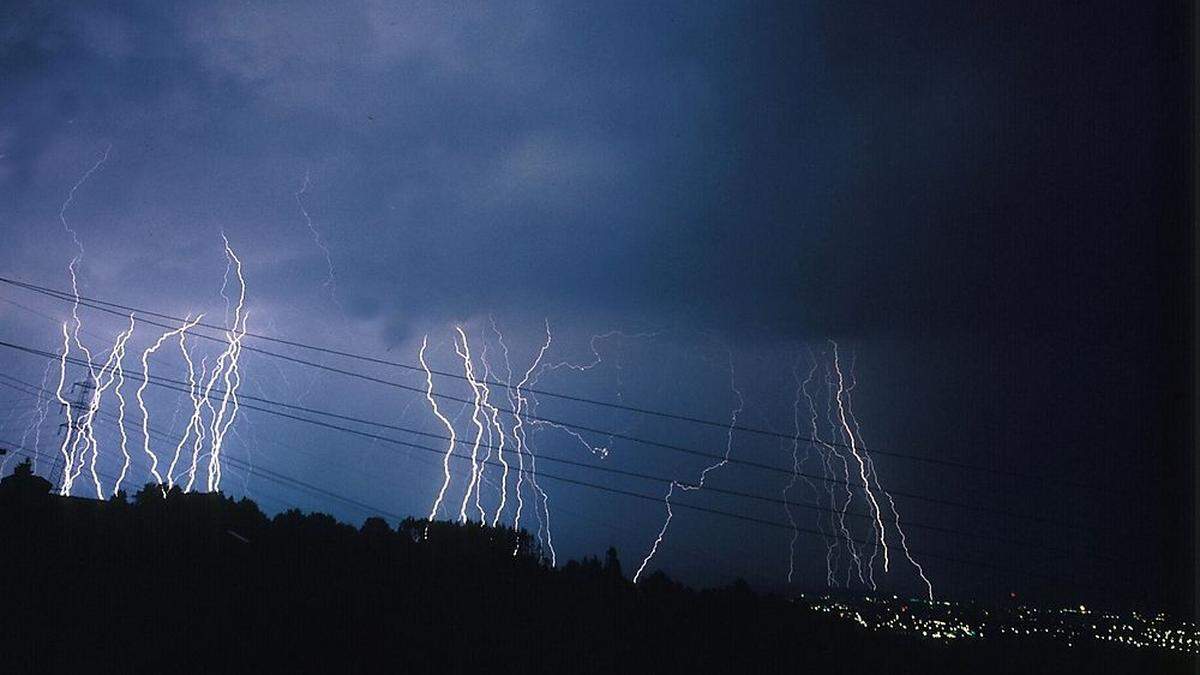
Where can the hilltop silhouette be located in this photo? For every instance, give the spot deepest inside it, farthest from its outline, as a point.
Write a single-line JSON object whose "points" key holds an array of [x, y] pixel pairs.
{"points": [[204, 583]]}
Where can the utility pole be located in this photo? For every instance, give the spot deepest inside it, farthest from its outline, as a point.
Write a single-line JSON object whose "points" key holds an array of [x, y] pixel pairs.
{"points": [[80, 405]]}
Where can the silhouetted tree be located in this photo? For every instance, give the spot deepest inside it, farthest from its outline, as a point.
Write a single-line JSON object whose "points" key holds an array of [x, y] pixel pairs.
{"points": [[24, 485], [612, 565]]}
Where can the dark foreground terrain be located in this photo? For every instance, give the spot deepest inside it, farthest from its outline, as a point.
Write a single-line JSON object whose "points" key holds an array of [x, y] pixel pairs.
{"points": [[201, 583]]}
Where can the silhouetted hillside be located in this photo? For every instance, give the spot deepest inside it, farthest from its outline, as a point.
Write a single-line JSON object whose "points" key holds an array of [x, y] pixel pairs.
{"points": [[200, 582]]}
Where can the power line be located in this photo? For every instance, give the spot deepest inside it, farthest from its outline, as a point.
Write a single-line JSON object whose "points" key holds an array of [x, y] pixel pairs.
{"points": [[273, 476], [760, 521], [917, 525], [180, 386], [261, 472], [107, 306], [45, 395]]}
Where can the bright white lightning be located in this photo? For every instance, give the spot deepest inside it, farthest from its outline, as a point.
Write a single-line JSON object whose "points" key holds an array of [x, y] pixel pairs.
{"points": [[845, 482], [862, 466], [120, 370], [522, 441], [662, 533], [74, 436], [65, 487], [480, 478], [875, 476], [194, 421], [469, 370], [188, 323], [517, 440], [494, 416], [71, 267], [795, 474], [223, 418], [205, 400], [104, 378], [826, 451], [36, 420], [437, 503]]}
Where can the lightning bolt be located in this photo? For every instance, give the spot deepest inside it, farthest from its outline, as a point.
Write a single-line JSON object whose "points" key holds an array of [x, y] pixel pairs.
{"points": [[797, 465], [522, 441], [875, 477], [104, 378], [36, 420], [826, 451], [518, 440], [120, 374], [188, 323], [232, 377], [330, 280], [71, 444], [845, 481], [194, 421], [494, 417], [437, 503], [593, 345], [862, 466], [469, 370], [68, 439], [72, 266], [487, 426], [699, 485]]}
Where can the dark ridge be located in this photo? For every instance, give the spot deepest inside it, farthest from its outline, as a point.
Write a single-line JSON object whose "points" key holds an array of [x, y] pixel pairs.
{"points": [[204, 583]]}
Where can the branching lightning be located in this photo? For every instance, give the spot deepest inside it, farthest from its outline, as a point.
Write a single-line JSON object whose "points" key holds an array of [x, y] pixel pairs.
{"points": [[494, 417], [875, 477], [662, 533], [523, 442], [437, 503], [464, 352], [189, 323], [330, 279], [862, 466]]}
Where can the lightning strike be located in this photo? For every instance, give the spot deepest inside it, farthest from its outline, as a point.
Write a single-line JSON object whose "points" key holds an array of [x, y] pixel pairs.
{"points": [[517, 440], [862, 467], [522, 441], [879, 486], [494, 417], [330, 280], [188, 323], [469, 370], [36, 421], [223, 418], [437, 504], [600, 451], [65, 487], [826, 452], [699, 484], [845, 481]]}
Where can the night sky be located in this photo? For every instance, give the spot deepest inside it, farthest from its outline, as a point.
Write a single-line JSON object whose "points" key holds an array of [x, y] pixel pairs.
{"points": [[987, 206]]}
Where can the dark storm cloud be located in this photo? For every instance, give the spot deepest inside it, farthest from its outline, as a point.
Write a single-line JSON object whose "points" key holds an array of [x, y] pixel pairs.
{"points": [[848, 169], [654, 162]]}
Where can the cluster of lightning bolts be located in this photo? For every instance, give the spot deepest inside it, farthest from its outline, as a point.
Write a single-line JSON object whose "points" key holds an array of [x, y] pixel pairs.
{"points": [[212, 391], [849, 475], [496, 429], [488, 423], [503, 431], [824, 423]]}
